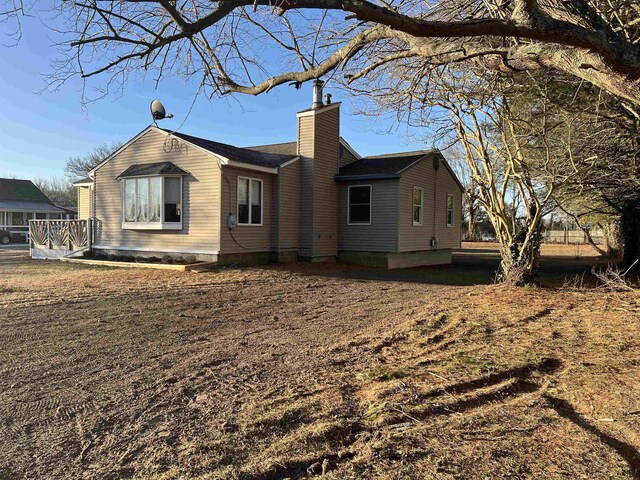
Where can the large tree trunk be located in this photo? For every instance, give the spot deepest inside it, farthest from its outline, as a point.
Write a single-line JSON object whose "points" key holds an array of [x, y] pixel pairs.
{"points": [[472, 227], [630, 226], [613, 239], [520, 261]]}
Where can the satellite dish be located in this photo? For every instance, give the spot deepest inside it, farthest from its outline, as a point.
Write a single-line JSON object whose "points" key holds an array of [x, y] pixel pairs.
{"points": [[158, 111]]}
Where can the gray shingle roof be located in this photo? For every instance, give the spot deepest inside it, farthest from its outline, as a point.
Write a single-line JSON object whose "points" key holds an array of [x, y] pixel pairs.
{"points": [[29, 206], [21, 190], [287, 148], [83, 180], [158, 168], [243, 155], [383, 166]]}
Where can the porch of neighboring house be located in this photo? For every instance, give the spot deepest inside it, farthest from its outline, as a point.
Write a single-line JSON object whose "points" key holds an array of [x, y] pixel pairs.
{"points": [[54, 239]]}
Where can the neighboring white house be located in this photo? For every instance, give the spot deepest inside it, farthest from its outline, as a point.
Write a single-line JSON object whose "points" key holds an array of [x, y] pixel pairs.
{"points": [[21, 201]]}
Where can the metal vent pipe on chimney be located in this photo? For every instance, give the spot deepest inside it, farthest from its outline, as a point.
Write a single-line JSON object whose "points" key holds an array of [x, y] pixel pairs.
{"points": [[317, 93]]}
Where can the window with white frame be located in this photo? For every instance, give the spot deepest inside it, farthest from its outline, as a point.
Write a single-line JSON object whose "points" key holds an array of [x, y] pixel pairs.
{"points": [[418, 201], [449, 210], [152, 203], [249, 201], [359, 205]]}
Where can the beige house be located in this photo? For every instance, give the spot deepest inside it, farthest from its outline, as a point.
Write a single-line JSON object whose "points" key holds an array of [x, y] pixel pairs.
{"points": [[313, 199]]}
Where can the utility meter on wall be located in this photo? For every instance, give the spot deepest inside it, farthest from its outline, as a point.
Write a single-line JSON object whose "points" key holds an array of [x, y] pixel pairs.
{"points": [[232, 221]]}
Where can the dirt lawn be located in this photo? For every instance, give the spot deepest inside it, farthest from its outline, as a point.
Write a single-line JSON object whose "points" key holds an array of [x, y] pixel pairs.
{"points": [[289, 371]]}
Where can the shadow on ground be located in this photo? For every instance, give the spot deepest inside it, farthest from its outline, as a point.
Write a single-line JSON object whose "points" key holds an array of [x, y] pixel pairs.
{"points": [[469, 267]]}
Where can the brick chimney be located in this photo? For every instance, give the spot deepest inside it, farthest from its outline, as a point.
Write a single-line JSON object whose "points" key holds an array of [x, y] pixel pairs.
{"points": [[319, 148]]}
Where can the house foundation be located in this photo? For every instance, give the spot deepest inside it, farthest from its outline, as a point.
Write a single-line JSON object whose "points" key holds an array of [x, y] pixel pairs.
{"points": [[397, 260]]}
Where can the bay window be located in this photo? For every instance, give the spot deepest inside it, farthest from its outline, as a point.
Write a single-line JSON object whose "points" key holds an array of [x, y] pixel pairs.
{"points": [[249, 201], [153, 203]]}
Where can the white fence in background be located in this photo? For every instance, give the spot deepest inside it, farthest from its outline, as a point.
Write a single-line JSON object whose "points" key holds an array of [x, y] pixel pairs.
{"points": [[572, 237]]}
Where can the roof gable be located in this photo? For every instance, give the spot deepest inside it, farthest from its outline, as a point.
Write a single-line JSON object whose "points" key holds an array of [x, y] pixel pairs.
{"points": [[21, 190], [383, 166], [221, 151], [443, 161]]}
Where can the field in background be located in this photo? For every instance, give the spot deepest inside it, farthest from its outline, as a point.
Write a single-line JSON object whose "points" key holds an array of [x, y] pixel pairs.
{"points": [[547, 249], [286, 371]]}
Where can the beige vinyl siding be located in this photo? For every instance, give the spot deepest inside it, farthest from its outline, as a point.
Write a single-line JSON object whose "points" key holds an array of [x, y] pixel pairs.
{"points": [[346, 158], [200, 199], [448, 237], [325, 188], [252, 238], [305, 150], [436, 186], [290, 207], [382, 234], [84, 202]]}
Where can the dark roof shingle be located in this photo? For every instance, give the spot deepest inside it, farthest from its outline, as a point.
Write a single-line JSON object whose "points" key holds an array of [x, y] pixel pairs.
{"points": [[382, 166], [21, 190], [243, 155], [29, 206], [83, 181], [287, 148], [157, 168]]}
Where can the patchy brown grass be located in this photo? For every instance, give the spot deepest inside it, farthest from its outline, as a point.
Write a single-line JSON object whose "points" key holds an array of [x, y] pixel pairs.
{"points": [[289, 371]]}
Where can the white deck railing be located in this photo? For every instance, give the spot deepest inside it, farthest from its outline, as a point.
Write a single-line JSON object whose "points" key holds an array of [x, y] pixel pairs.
{"points": [[59, 235]]}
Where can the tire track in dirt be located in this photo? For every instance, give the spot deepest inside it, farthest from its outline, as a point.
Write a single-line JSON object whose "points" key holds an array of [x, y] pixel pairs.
{"points": [[74, 300]]}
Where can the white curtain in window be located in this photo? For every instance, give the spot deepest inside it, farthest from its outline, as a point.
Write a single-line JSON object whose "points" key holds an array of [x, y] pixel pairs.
{"points": [[130, 200], [155, 199], [143, 200]]}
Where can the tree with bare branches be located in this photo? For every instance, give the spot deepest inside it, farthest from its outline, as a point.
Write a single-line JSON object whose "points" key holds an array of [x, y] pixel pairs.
{"points": [[10, 13], [59, 190], [79, 166], [515, 186], [249, 46], [608, 190], [471, 208], [519, 155]]}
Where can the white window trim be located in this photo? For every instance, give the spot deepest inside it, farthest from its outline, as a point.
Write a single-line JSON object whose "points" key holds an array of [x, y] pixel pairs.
{"points": [[161, 225], [453, 209], [261, 202], [349, 222], [421, 222]]}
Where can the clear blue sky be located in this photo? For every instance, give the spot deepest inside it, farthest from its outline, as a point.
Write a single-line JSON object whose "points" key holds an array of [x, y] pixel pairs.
{"points": [[39, 131]]}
